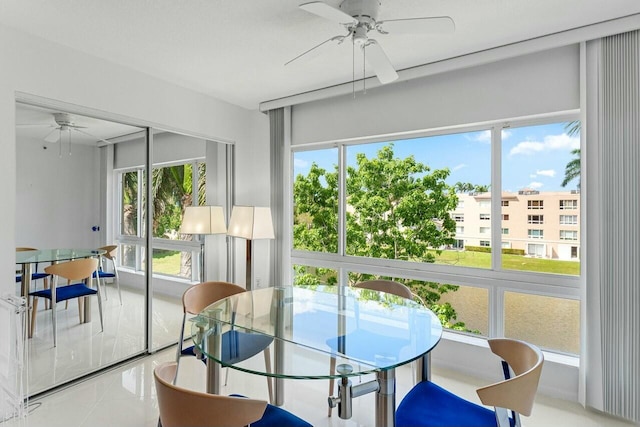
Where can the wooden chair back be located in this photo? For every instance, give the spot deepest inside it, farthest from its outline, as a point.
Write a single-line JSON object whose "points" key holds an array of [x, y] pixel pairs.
{"points": [[111, 251], [199, 296], [516, 393], [78, 269], [180, 407], [388, 286]]}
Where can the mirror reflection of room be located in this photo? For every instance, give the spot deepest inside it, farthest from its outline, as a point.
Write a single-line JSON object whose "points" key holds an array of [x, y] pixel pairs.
{"points": [[81, 186]]}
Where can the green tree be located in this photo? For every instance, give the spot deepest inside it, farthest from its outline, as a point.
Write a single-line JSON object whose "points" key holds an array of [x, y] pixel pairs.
{"points": [[397, 209], [572, 169]]}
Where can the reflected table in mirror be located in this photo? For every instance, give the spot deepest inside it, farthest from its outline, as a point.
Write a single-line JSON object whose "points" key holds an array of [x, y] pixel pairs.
{"points": [[323, 333]]}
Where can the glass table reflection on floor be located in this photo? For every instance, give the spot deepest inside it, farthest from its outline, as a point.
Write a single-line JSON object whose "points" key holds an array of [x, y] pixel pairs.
{"points": [[357, 331]]}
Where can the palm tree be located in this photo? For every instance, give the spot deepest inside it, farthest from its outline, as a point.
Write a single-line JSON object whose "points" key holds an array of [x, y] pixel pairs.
{"points": [[572, 170]]}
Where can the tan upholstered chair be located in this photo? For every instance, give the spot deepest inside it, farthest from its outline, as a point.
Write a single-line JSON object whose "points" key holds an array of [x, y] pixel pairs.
{"points": [[180, 407], [236, 345], [428, 405]]}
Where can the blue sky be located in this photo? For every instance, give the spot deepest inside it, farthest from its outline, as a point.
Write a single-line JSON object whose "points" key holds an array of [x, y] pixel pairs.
{"points": [[532, 157]]}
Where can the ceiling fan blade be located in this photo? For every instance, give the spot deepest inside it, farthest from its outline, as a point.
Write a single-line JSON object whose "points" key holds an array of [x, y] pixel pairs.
{"points": [[91, 136], [431, 25], [380, 63], [314, 51], [53, 136], [323, 10]]}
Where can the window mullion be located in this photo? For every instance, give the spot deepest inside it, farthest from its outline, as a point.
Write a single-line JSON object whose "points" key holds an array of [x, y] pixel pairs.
{"points": [[496, 198]]}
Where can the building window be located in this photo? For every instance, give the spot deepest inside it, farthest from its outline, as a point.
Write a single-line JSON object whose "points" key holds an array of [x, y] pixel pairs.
{"points": [[485, 230], [485, 243], [484, 204], [535, 234], [568, 204], [535, 204], [506, 245], [535, 219], [535, 249], [485, 217], [505, 217], [459, 229], [568, 235], [504, 203], [505, 231], [568, 219], [458, 217], [460, 205]]}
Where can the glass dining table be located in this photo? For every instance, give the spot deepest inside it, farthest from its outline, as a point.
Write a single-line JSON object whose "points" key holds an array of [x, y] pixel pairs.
{"points": [[323, 333], [27, 258]]}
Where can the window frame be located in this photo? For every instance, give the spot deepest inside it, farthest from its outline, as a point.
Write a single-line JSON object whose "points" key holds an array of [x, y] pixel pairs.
{"points": [[496, 279]]}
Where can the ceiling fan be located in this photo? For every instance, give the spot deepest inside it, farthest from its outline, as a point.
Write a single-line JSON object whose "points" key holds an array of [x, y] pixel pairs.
{"points": [[65, 125], [359, 17]]}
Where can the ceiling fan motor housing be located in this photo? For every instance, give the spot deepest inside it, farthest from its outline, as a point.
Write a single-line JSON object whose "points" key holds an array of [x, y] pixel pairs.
{"points": [[64, 119]]}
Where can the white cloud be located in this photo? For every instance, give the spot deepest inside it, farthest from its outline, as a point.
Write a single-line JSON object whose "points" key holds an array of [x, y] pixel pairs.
{"points": [[506, 134], [484, 136], [299, 163], [535, 185], [550, 142], [458, 167], [533, 175], [547, 172]]}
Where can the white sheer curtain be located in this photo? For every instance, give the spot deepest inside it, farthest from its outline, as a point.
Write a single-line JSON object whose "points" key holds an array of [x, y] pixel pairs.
{"points": [[611, 349]]}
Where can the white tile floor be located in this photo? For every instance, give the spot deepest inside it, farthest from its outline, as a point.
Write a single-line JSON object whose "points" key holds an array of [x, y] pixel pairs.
{"points": [[125, 396]]}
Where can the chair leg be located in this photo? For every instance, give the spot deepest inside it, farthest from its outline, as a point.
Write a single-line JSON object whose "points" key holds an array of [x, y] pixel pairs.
{"points": [[100, 311], [117, 280], [332, 370], [267, 364], [54, 320], [47, 303], [33, 315], [80, 309]]}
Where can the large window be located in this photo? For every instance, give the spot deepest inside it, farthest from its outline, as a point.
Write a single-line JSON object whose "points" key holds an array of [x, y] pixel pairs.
{"points": [[395, 208]]}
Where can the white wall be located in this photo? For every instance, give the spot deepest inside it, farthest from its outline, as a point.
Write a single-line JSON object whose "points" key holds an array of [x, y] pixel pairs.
{"points": [[35, 66], [57, 196]]}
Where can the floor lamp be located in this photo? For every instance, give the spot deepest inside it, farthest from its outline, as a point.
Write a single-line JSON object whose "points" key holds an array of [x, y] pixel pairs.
{"points": [[250, 223], [203, 220]]}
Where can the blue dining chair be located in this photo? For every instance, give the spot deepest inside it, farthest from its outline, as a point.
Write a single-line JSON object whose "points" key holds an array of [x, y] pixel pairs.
{"points": [[181, 407], [429, 405], [102, 274], [362, 339], [76, 271], [34, 276], [237, 346]]}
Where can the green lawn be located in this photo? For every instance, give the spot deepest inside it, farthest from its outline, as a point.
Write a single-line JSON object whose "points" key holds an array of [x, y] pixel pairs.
{"points": [[168, 262], [509, 262]]}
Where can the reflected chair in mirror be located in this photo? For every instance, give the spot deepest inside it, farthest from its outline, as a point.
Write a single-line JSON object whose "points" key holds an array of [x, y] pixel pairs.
{"points": [[110, 255], [76, 272], [34, 276], [387, 286], [181, 407], [428, 405], [237, 346]]}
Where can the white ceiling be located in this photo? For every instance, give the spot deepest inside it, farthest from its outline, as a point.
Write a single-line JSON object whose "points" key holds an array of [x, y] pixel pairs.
{"points": [[235, 50]]}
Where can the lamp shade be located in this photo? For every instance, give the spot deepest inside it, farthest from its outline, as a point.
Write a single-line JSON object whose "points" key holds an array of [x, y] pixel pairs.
{"points": [[203, 220], [250, 222]]}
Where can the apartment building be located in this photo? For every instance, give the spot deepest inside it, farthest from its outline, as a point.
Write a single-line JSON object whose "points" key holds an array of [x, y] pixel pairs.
{"points": [[539, 223]]}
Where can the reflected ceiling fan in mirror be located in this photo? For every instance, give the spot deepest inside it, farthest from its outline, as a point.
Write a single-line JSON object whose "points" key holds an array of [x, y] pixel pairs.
{"points": [[65, 125], [359, 17]]}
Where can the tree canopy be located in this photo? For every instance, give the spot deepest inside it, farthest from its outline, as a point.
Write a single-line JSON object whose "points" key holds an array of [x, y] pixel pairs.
{"points": [[396, 209]]}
